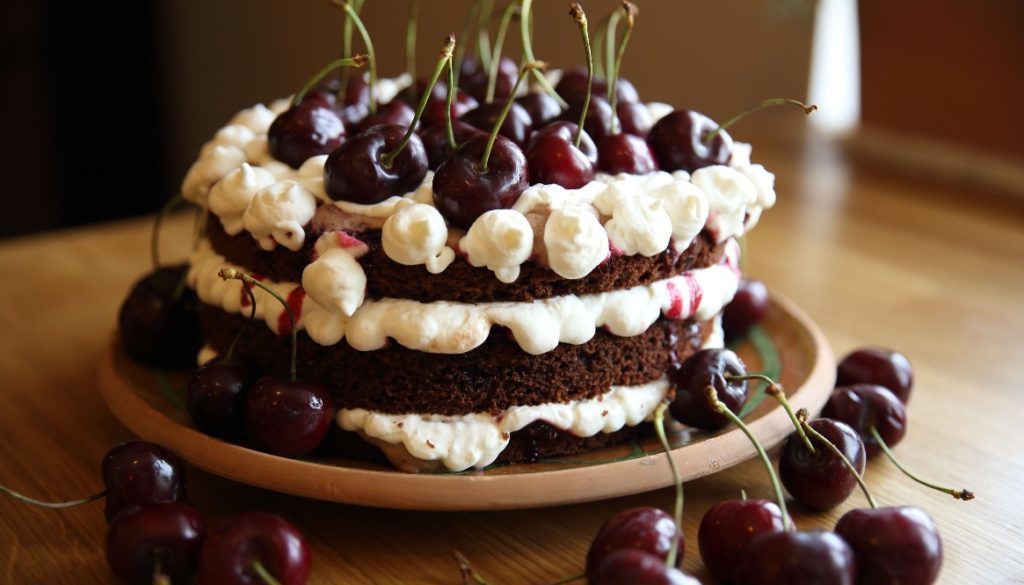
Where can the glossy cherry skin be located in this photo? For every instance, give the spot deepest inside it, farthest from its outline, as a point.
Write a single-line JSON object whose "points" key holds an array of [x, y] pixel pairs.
{"points": [[462, 193], [542, 108], [170, 535], [646, 529], [820, 481], [598, 122], [573, 87], [635, 567], [301, 132], [139, 473], [863, 406], [354, 171], [435, 141], [156, 329], [473, 79], [288, 418], [625, 153], [553, 157], [234, 547], [893, 546], [215, 397], [516, 127], [727, 529], [394, 113], [433, 114], [811, 557], [678, 142], [747, 308], [634, 118], [877, 365], [708, 367]]}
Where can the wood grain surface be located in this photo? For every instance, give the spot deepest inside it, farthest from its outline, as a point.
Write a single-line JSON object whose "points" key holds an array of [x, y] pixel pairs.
{"points": [[937, 272]]}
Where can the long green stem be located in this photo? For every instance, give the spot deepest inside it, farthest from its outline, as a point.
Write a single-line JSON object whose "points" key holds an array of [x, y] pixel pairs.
{"points": [[230, 353], [524, 29], [154, 239], [659, 428], [808, 110], [452, 89], [499, 43], [599, 34], [610, 31], [52, 505], [357, 61], [387, 159], [576, 11], [410, 39], [613, 92], [353, 17], [467, 570], [346, 50], [231, 273], [720, 407], [483, 33], [961, 494], [523, 72], [467, 26], [264, 574], [775, 390], [802, 416]]}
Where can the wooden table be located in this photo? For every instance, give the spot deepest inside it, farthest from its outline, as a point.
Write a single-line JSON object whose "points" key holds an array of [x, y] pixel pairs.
{"points": [[933, 271]]}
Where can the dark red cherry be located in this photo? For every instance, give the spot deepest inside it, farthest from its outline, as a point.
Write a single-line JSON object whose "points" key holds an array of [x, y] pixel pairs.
{"points": [[473, 79], [433, 114], [357, 91], [156, 539], [463, 193], [727, 529], [156, 329], [542, 108], [646, 529], [139, 473], [435, 141], [598, 123], [708, 367], [678, 141], [554, 159], [797, 558], [625, 153], [516, 127], [233, 549], [634, 118], [215, 397], [301, 132], [354, 171], [747, 308], [394, 113], [630, 566], [288, 418], [573, 87], [893, 546], [863, 406], [820, 480], [877, 365]]}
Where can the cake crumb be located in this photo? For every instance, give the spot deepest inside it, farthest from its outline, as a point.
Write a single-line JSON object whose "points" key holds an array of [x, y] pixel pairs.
{"points": [[604, 413], [429, 444]]}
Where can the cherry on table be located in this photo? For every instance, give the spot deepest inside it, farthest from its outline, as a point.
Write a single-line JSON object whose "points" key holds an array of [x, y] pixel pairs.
{"points": [[863, 406], [516, 127], [541, 107], [139, 473], [797, 558], [634, 118], [553, 157], [355, 172], [820, 480], [747, 308], [462, 192], [647, 529], [234, 549], [625, 153], [288, 417], [215, 397], [727, 529], [598, 123], [156, 328], [678, 141], [893, 545], [155, 540], [877, 365], [708, 367], [636, 567], [307, 129]]}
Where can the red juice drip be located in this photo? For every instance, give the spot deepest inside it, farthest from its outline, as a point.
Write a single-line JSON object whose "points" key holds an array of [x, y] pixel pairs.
{"points": [[295, 298], [245, 296]]}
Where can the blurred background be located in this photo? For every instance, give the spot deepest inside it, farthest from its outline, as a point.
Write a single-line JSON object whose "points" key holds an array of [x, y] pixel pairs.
{"points": [[102, 111]]}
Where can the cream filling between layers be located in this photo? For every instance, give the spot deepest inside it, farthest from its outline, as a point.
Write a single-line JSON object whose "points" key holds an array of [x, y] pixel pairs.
{"points": [[454, 328]]}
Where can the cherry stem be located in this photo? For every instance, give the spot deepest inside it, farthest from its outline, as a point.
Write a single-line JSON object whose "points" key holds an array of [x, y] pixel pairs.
{"points": [[51, 505], [720, 407], [483, 34], [353, 16], [808, 110], [602, 27], [410, 39], [524, 28], [347, 46], [802, 417], [961, 494], [357, 61], [775, 390], [230, 273], [610, 30], [238, 336], [499, 43], [576, 12], [613, 93], [467, 570], [264, 574], [743, 494], [154, 240], [570, 579], [467, 25], [387, 159], [159, 577], [452, 89], [523, 72], [659, 429]]}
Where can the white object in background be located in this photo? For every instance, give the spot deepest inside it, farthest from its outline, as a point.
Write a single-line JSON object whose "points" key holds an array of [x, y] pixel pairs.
{"points": [[835, 67]]}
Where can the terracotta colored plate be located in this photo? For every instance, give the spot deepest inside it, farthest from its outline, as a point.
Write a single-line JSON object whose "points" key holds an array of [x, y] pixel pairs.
{"points": [[787, 346]]}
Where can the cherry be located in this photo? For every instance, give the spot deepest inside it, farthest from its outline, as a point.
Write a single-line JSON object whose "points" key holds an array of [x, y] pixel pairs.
{"points": [[630, 566], [463, 193], [541, 107], [625, 153], [394, 113], [573, 87], [474, 78], [516, 126], [435, 141], [708, 367], [215, 397], [635, 118], [797, 558], [139, 473], [554, 159], [747, 308], [598, 122], [893, 545], [247, 547], [646, 529], [727, 529], [433, 115], [157, 543], [678, 142], [158, 321], [876, 365], [355, 170], [820, 480], [311, 128], [863, 406]]}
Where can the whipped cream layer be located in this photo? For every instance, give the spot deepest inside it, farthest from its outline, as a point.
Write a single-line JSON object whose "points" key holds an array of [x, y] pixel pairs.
{"points": [[330, 310]]}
